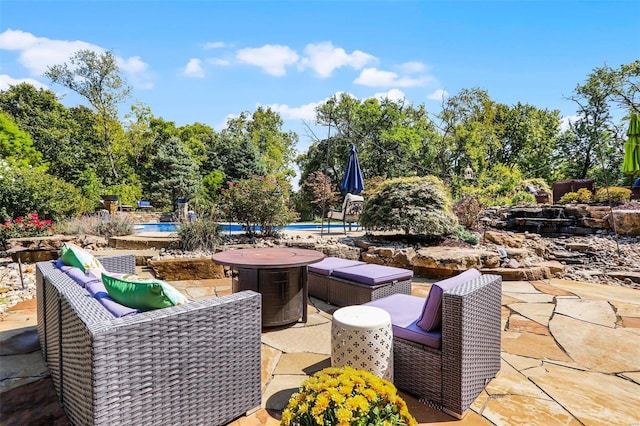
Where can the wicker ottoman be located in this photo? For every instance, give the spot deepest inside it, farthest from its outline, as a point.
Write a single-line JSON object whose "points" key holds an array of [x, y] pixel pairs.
{"points": [[362, 338], [360, 284], [318, 275]]}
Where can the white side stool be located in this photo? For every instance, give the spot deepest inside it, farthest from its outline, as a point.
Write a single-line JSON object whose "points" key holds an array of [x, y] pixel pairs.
{"points": [[362, 338]]}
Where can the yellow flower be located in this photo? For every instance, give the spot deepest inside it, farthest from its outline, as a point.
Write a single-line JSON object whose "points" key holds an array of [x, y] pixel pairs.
{"points": [[369, 394], [343, 415], [358, 402], [286, 417], [303, 407]]}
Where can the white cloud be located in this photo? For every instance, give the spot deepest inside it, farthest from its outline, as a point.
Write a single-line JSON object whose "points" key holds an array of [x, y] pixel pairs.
{"points": [[393, 95], [193, 68], [39, 53], [564, 123], [214, 45], [218, 62], [438, 95], [303, 112], [376, 78], [6, 81], [273, 59], [324, 58], [412, 67], [223, 125]]}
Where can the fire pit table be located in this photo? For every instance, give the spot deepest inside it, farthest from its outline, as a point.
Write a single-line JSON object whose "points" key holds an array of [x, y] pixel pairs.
{"points": [[279, 274]]}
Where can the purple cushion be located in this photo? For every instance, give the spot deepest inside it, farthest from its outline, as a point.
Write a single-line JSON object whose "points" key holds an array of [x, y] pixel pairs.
{"points": [[373, 274], [327, 265], [404, 311], [98, 291], [431, 317], [76, 274]]}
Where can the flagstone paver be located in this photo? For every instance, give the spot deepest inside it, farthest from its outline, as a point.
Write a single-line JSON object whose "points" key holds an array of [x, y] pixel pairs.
{"points": [[626, 309], [532, 345], [529, 297], [633, 376], [596, 347], [518, 287], [538, 312], [593, 311], [593, 398], [520, 362], [598, 291], [544, 287], [269, 361], [527, 411], [510, 381], [302, 363], [519, 323]]}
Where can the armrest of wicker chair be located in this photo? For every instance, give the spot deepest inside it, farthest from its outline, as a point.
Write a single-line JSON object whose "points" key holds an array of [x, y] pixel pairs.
{"points": [[470, 340]]}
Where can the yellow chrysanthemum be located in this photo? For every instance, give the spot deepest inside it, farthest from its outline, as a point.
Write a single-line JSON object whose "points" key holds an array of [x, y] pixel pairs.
{"points": [[303, 407], [357, 402], [343, 415], [323, 400], [370, 395], [346, 389], [287, 416]]}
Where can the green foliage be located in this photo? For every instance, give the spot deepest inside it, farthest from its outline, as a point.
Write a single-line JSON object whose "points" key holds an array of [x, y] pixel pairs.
{"points": [[539, 184], [523, 197], [15, 145], [260, 201], [129, 193], [317, 191], [615, 194], [27, 190], [200, 234], [462, 234], [468, 211], [211, 185], [28, 226], [582, 196], [495, 185], [417, 205]]}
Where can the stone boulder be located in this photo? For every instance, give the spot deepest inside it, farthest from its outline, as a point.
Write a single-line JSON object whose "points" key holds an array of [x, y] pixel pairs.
{"points": [[390, 256], [505, 239], [439, 262], [186, 269], [627, 222]]}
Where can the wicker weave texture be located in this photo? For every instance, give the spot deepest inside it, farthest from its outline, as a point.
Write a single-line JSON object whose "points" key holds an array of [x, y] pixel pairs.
{"points": [[454, 376], [345, 293], [318, 286], [193, 364]]}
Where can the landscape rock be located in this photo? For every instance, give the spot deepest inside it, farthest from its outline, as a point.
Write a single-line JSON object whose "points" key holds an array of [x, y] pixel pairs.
{"points": [[186, 269], [448, 261], [627, 222], [505, 239]]}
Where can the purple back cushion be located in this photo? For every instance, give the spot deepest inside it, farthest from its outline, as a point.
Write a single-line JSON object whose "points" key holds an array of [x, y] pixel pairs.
{"points": [[431, 317], [99, 292], [76, 274], [329, 264]]}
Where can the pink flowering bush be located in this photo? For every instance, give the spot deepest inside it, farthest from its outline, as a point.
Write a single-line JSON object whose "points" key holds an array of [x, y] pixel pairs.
{"points": [[258, 202], [24, 226]]}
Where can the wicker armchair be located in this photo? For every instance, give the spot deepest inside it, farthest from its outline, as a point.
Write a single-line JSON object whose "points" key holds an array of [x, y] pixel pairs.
{"points": [[453, 375], [197, 363]]}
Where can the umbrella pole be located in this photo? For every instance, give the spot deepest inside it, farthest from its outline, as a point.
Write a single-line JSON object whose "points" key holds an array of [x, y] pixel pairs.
{"points": [[324, 180]]}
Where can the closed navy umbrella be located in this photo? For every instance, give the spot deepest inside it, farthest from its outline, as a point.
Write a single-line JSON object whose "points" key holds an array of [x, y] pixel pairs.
{"points": [[353, 182]]}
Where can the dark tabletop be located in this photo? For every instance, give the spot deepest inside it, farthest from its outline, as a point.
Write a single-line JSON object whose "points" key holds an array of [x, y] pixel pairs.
{"points": [[269, 257]]}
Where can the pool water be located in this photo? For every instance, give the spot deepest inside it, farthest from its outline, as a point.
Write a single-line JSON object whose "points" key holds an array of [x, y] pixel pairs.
{"points": [[226, 227]]}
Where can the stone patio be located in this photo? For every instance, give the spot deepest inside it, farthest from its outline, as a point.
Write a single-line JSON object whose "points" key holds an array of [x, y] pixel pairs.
{"points": [[569, 356]]}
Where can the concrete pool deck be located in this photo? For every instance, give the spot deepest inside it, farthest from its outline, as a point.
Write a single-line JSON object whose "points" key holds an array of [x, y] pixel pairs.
{"points": [[569, 356]]}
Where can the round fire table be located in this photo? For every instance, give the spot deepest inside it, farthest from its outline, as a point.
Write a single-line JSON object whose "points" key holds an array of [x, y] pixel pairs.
{"points": [[279, 274]]}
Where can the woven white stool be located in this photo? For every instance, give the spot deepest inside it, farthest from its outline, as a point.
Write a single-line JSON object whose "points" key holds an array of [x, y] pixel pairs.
{"points": [[362, 338]]}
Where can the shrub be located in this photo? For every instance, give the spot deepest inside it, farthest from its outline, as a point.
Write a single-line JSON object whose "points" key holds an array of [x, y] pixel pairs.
{"points": [[582, 196], [201, 234], [114, 225], [460, 233], [615, 193], [522, 197], [28, 226], [415, 205], [468, 210], [258, 202], [539, 184], [27, 190], [345, 396]]}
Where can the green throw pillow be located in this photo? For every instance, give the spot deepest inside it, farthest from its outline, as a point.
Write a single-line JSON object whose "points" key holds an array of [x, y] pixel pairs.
{"points": [[72, 255], [141, 293]]}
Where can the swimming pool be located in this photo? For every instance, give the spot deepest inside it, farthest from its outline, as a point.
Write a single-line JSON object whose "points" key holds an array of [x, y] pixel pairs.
{"points": [[227, 227]]}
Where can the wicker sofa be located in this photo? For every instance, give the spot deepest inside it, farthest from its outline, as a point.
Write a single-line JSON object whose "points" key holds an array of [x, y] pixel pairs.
{"points": [[452, 364], [192, 364]]}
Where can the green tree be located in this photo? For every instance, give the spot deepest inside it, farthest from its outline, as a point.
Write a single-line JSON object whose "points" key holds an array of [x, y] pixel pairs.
{"points": [[16, 146], [172, 174], [49, 124], [96, 77]]}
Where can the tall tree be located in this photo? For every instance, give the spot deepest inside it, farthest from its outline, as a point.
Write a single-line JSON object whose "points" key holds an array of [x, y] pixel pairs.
{"points": [[16, 145], [96, 77]]}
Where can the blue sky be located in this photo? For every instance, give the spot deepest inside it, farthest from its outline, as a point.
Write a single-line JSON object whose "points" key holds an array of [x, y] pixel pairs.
{"points": [[205, 61]]}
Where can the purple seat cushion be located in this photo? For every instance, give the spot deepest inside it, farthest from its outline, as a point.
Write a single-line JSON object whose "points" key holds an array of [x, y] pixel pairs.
{"points": [[404, 311], [431, 316], [76, 274], [373, 274], [98, 291], [329, 264]]}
